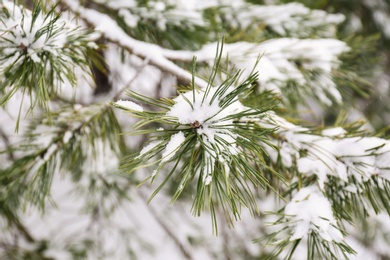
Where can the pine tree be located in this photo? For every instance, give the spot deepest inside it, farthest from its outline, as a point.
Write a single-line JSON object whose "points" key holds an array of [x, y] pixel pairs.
{"points": [[123, 117]]}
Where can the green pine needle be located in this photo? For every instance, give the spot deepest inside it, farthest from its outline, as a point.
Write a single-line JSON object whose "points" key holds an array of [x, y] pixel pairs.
{"points": [[222, 155]]}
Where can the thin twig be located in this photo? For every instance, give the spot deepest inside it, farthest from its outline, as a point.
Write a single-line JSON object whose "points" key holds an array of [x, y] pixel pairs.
{"points": [[164, 226], [127, 85]]}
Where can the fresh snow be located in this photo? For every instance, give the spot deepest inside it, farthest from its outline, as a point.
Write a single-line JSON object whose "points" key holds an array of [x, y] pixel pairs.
{"points": [[164, 13], [205, 115], [149, 147], [173, 146], [309, 211], [20, 34], [129, 105], [292, 19], [50, 151], [151, 52], [207, 180], [201, 111], [328, 155], [68, 134], [272, 59]]}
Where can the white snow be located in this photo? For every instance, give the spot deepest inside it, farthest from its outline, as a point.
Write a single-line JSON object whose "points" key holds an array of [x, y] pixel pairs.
{"points": [[117, 4], [205, 114], [292, 19], [173, 12], [327, 155], [149, 147], [310, 211], [208, 180], [20, 35], [380, 14], [130, 105], [276, 64], [173, 146], [361, 157], [201, 111], [68, 134], [130, 19], [151, 52], [50, 151], [197, 110]]}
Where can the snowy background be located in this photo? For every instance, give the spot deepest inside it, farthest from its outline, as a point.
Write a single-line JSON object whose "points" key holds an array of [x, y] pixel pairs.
{"points": [[101, 214]]}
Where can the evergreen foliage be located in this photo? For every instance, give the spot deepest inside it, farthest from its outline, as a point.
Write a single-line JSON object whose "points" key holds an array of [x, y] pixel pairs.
{"points": [[122, 116]]}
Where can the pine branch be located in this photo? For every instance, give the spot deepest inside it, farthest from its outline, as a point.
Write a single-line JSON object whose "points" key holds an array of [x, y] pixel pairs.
{"points": [[297, 69], [307, 218], [217, 143], [39, 52], [31, 175], [213, 133], [150, 52]]}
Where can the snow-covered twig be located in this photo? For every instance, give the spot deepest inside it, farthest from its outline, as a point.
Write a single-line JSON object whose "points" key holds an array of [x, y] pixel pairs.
{"points": [[281, 60], [148, 51], [332, 153]]}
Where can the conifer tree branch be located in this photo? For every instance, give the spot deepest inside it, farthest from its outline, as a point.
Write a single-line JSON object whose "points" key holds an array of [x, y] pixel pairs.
{"points": [[150, 52], [222, 144], [33, 172], [39, 51]]}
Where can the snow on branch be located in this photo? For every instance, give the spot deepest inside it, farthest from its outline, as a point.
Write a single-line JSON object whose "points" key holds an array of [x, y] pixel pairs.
{"points": [[187, 14], [309, 210], [151, 52], [281, 60], [332, 153], [33, 34], [288, 20], [211, 131], [39, 51], [351, 177], [308, 226]]}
